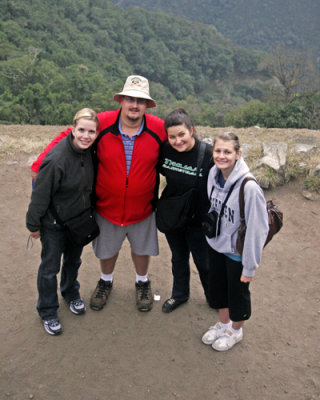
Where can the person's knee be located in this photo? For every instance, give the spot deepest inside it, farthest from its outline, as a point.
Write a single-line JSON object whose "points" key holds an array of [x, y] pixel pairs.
{"points": [[107, 265]]}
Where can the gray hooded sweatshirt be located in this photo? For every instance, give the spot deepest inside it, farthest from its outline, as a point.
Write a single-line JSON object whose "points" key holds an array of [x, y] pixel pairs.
{"points": [[256, 216]]}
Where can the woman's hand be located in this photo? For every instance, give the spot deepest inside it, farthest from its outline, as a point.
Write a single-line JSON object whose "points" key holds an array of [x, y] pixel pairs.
{"points": [[35, 235], [246, 279], [33, 175]]}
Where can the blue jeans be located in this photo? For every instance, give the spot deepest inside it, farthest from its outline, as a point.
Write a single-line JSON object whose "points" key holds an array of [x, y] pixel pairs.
{"points": [[181, 244], [54, 245]]}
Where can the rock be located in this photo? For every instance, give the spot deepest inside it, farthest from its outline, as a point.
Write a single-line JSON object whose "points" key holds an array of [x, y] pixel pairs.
{"points": [[246, 149], [303, 166], [310, 196], [208, 140], [275, 155], [304, 148], [315, 171]]}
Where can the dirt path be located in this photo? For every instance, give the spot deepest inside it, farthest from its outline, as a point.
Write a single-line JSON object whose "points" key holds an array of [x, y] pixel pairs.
{"points": [[121, 354]]}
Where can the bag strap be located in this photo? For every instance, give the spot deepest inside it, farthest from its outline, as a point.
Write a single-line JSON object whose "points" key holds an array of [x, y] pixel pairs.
{"points": [[231, 188], [202, 149], [211, 193], [241, 195], [223, 206]]}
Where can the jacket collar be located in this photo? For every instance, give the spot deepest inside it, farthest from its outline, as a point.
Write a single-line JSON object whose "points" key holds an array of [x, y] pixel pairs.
{"points": [[115, 127], [72, 146]]}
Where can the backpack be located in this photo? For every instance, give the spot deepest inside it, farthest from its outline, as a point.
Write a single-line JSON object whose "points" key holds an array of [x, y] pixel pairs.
{"points": [[275, 216]]}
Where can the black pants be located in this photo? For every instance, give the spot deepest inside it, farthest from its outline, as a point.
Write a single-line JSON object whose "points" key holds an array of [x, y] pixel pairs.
{"points": [[181, 244], [225, 288]]}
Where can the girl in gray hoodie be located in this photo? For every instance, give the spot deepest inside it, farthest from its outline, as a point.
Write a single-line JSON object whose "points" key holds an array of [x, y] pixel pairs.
{"points": [[230, 273]]}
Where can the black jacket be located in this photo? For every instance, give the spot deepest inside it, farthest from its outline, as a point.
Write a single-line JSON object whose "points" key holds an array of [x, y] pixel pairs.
{"points": [[65, 179]]}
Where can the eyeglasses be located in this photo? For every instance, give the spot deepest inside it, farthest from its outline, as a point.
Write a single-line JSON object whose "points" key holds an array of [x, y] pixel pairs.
{"points": [[135, 99]]}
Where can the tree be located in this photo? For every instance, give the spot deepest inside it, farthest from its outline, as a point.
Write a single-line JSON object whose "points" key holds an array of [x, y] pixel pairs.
{"points": [[295, 72]]}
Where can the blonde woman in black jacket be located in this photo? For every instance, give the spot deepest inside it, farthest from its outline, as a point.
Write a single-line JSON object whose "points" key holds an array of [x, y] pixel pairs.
{"points": [[65, 181]]}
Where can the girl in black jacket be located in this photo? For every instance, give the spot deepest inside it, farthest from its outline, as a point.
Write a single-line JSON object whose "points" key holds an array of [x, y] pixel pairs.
{"points": [[65, 181], [178, 163]]}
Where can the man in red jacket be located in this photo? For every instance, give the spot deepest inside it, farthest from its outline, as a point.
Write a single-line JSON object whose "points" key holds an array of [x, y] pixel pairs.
{"points": [[127, 151]]}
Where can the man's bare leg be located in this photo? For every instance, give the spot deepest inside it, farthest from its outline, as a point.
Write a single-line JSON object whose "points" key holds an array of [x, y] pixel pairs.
{"points": [[141, 263], [107, 266]]}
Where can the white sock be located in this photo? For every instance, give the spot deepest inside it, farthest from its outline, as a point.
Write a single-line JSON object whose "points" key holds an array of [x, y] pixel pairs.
{"points": [[107, 277], [226, 326], [235, 331], [141, 278]]}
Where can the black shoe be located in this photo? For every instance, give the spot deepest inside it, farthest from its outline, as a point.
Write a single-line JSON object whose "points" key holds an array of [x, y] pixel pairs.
{"points": [[171, 304]]}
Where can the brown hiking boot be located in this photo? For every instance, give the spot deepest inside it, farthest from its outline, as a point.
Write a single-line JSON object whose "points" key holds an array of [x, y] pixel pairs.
{"points": [[144, 297], [100, 295]]}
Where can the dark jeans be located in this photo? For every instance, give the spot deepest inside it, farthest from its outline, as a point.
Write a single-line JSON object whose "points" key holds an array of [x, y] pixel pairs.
{"points": [[54, 245], [181, 244]]}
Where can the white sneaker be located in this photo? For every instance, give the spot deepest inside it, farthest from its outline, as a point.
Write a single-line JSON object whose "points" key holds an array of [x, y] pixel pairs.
{"points": [[228, 340], [214, 333]]}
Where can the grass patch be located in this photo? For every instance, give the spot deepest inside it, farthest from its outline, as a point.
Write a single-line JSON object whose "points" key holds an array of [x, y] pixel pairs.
{"points": [[312, 183]]}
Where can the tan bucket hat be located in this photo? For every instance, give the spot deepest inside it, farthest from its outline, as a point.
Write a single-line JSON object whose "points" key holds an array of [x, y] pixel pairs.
{"points": [[136, 86]]}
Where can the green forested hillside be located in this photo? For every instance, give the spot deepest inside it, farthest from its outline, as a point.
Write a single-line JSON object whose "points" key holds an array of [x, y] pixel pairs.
{"points": [[252, 23], [58, 56]]}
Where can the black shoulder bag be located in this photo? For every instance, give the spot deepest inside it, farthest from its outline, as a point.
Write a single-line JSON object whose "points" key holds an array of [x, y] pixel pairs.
{"points": [[173, 213], [81, 229]]}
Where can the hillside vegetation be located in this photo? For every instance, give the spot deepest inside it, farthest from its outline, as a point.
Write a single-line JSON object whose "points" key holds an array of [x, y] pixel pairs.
{"points": [[57, 57], [250, 23]]}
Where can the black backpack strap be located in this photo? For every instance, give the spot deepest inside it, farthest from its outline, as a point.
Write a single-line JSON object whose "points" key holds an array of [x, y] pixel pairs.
{"points": [[211, 193], [223, 206], [202, 149]]}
